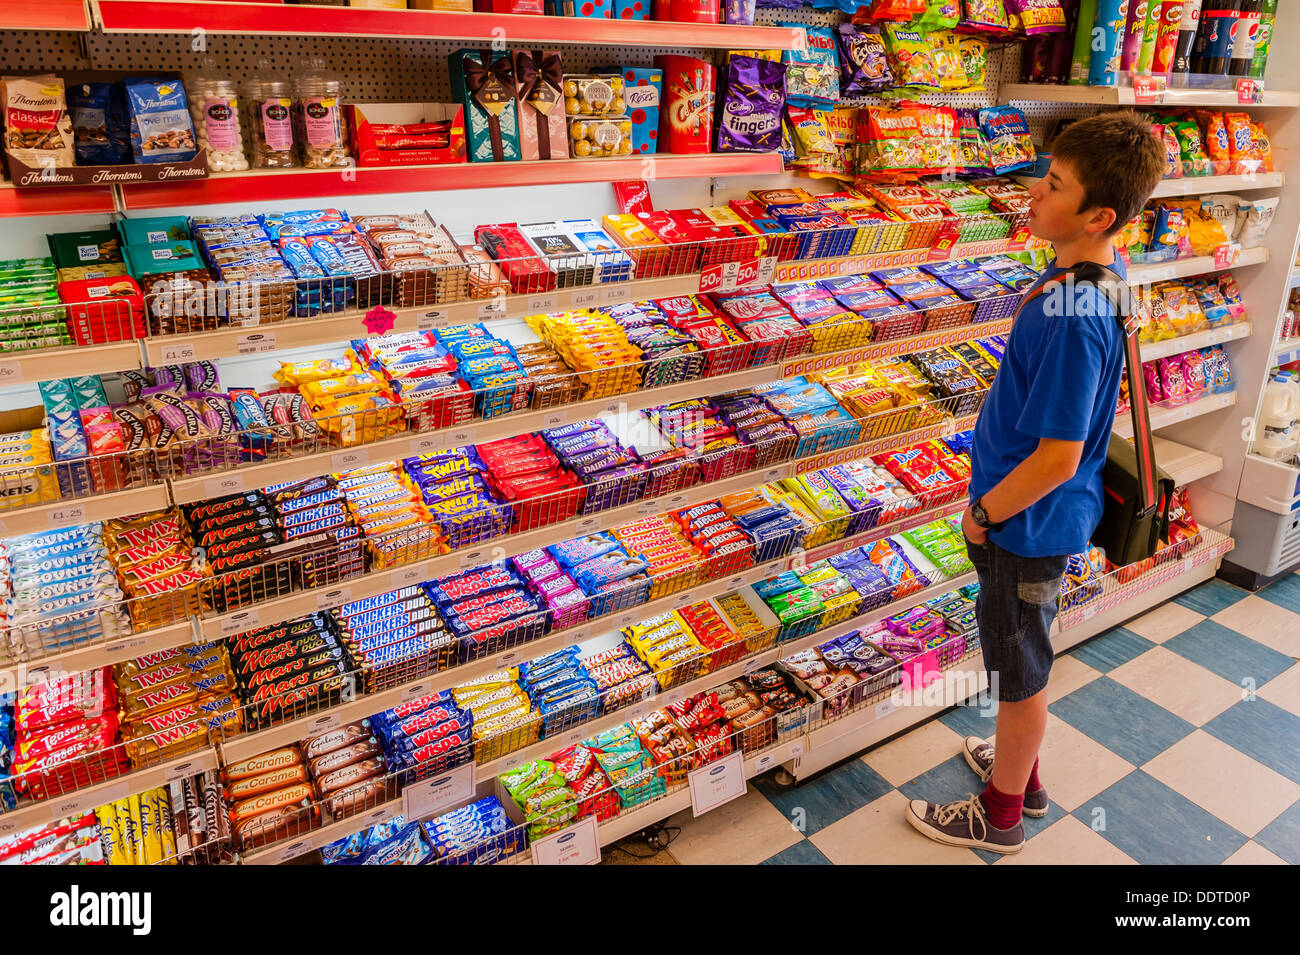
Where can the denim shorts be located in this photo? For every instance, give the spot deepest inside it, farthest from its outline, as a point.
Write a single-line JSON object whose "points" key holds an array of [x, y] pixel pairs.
{"points": [[1015, 610]]}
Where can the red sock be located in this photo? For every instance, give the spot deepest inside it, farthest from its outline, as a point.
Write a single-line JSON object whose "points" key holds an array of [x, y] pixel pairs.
{"points": [[1033, 783], [1003, 809]]}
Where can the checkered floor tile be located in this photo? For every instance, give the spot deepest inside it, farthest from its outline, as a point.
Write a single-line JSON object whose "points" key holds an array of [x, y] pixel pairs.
{"points": [[1173, 739]]}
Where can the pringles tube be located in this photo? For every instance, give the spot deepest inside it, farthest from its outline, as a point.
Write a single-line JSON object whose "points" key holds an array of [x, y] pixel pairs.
{"points": [[686, 117], [1171, 18], [1103, 70]]}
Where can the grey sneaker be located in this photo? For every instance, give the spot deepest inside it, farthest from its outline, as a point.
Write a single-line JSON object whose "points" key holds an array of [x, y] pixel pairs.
{"points": [[979, 756], [963, 823]]}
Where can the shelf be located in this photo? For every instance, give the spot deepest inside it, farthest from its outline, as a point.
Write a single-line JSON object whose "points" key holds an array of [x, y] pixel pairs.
{"points": [[1286, 351], [39, 364], [485, 771], [101, 653], [1200, 185], [311, 332], [1205, 185], [1124, 96], [82, 510], [1186, 343], [55, 201], [478, 431], [1186, 464], [50, 15], [758, 661], [1164, 417], [287, 184], [251, 744], [261, 19], [119, 787], [1192, 265]]}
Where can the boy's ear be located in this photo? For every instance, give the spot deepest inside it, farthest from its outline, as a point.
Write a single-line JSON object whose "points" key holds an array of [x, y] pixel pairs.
{"points": [[1101, 220]]}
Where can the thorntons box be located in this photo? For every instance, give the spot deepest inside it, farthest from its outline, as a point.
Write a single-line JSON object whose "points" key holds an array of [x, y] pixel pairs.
{"points": [[539, 83]]}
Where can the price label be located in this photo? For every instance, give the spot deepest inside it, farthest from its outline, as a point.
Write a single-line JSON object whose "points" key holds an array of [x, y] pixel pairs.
{"points": [[181, 770], [220, 487], [765, 762], [427, 444], [773, 474], [429, 320], [574, 737], [255, 343], [249, 321], [1089, 612], [506, 659], [681, 600], [175, 353], [736, 582], [1225, 256], [752, 665], [333, 598], [584, 297], [430, 796], [1148, 90], [71, 514], [543, 303], [8, 826], [717, 784], [382, 814], [646, 508], [615, 294], [295, 849], [472, 558], [770, 568], [640, 710], [674, 503], [408, 575], [84, 802], [490, 310], [796, 749], [1250, 92], [626, 619], [579, 844], [323, 724], [347, 460], [884, 708], [416, 690], [11, 373], [462, 437], [578, 634], [555, 419], [239, 622], [588, 525], [124, 646], [766, 270], [720, 278], [615, 408]]}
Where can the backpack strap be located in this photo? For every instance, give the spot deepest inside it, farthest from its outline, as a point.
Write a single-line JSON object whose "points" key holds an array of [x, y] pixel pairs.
{"points": [[1117, 292]]}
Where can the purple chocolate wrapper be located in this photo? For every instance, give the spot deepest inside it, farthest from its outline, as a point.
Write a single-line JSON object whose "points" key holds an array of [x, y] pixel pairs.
{"points": [[750, 117], [863, 67]]}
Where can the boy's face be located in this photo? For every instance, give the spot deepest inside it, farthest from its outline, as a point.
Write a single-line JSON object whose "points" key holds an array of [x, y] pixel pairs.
{"points": [[1054, 208]]}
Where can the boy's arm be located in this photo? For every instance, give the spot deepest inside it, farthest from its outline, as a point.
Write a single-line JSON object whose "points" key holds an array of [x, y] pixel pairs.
{"points": [[1052, 463]]}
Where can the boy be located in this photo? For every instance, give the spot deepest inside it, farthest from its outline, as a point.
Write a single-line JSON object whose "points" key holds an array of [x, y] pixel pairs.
{"points": [[1039, 447]]}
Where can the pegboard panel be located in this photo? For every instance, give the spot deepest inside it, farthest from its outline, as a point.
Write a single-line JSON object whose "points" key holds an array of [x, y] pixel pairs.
{"points": [[1040, 116], [373, 70]]}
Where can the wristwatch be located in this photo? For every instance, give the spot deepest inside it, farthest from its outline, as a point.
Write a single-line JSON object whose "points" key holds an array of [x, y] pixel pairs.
{"points": [[981, 517]]}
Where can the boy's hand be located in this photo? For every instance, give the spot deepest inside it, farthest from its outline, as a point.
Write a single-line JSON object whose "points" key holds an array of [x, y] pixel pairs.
{"points": [[974, 533]]}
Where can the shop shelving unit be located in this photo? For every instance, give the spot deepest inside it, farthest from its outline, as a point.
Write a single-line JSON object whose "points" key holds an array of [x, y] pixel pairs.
{"points": [[1199, 442]]}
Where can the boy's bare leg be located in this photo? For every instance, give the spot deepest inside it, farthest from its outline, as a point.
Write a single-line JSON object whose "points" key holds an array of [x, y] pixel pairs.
{"points": [[1020, 729]]}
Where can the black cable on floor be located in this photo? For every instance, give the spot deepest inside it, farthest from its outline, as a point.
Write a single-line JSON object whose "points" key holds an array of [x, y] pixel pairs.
{"points": [[652, 834]]}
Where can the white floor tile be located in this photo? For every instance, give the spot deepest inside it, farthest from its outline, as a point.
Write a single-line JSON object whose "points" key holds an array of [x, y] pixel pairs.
{"points": [[1252, 853], [1167, 620], [1074, 767], [745, 831], [914, 753], [1067, 842], [1182, 687], [1263, 621], [879, 834]]}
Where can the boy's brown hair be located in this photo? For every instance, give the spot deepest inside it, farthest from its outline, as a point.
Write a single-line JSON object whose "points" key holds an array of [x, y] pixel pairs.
{"points": [[1116, 159]]}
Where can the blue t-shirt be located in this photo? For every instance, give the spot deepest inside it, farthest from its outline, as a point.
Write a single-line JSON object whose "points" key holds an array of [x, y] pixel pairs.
{"points": [[1059, 379]]}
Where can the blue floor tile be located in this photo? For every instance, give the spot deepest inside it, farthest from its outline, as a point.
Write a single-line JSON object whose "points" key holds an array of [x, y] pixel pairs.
{"points": [[1113, 648], [801, 853], [966, 721], [952, 779], [1282, 836], [828, 797], [1154, 825], [1225, 652], [1032, 828], [1124, 722], [1264, 732], [1210, 597], [1284, 592]]}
